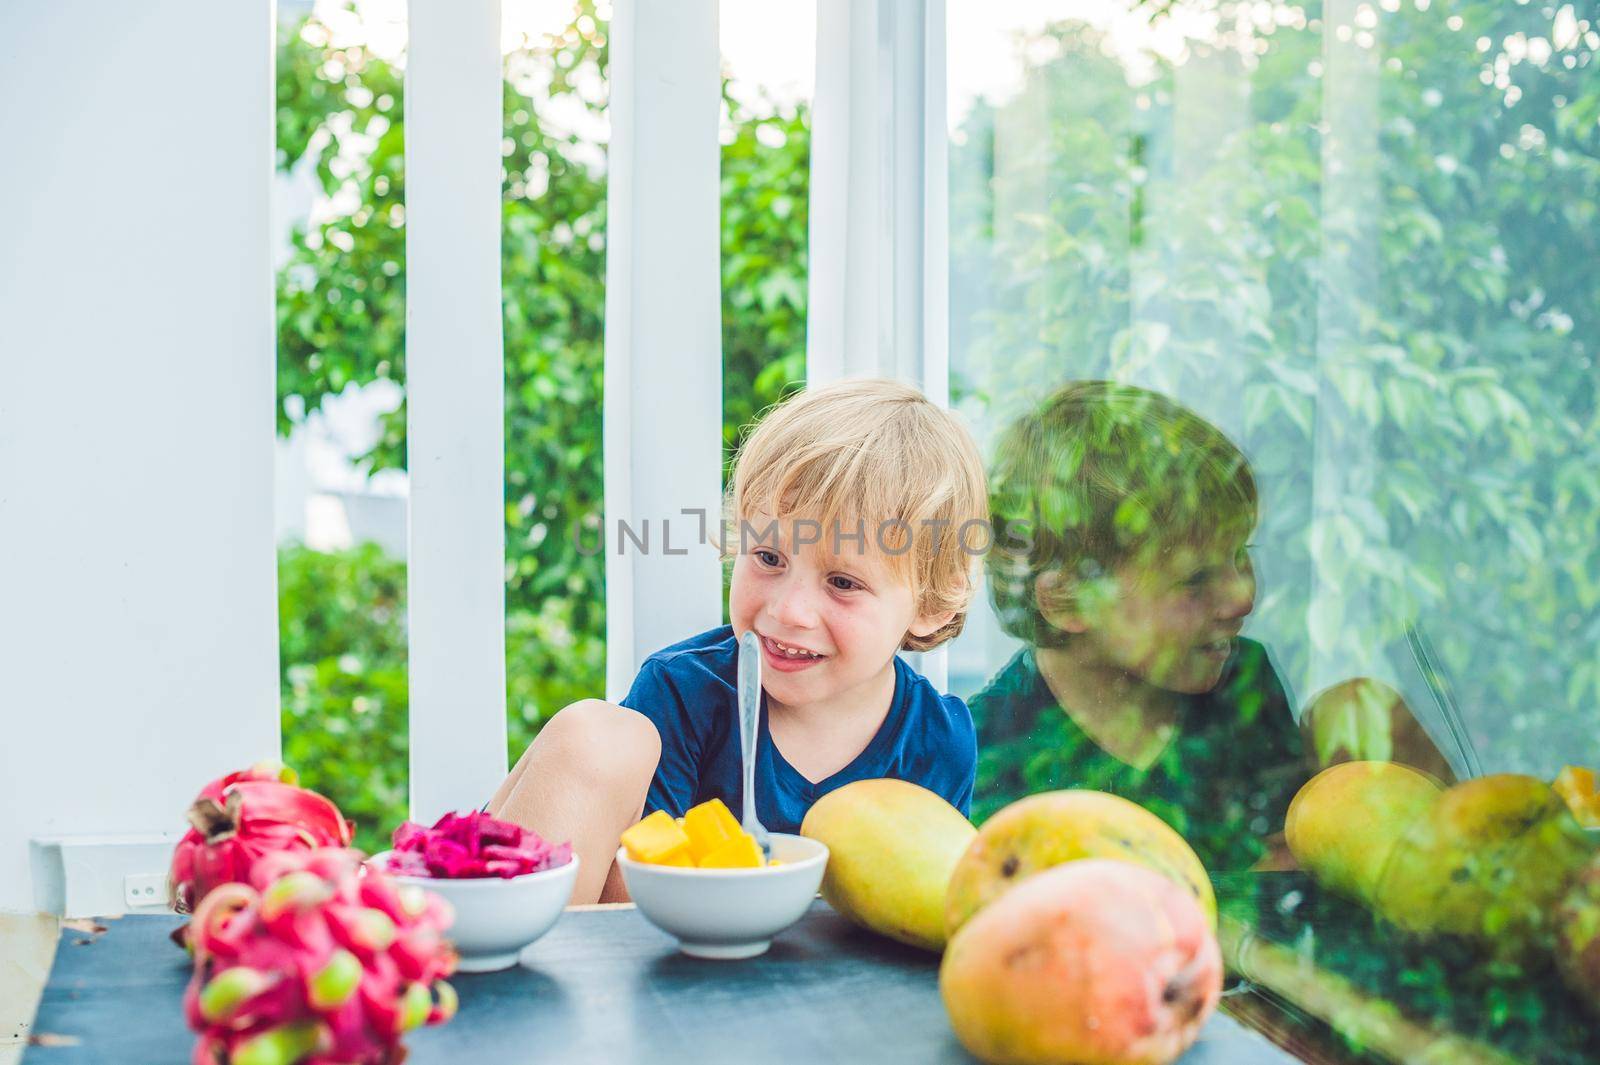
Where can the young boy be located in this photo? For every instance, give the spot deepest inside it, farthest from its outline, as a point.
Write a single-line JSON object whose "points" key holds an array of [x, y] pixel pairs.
{"points": [[851, 510], [1121, 559]]}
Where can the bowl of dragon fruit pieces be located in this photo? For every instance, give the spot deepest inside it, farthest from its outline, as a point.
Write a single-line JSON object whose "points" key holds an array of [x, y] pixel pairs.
{"points": [[507, 884]]}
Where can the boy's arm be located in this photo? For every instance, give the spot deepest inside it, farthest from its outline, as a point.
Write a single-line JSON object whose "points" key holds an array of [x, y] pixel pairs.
{"points": [[677, 774]]}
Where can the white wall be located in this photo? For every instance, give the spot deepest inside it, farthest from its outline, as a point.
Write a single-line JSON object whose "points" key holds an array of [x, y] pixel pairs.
{"points": [[138, 635]]}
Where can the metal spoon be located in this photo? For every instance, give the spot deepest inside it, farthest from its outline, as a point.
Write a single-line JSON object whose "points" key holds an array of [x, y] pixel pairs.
{"points": [[749, 730]]}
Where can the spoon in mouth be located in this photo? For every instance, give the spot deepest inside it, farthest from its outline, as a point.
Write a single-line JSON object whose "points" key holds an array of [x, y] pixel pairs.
{"points": [[749, 727]]}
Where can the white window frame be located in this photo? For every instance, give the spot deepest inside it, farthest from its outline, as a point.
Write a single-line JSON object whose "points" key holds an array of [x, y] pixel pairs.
{"points": [[663, 330], [878, 278], [455, 407]]}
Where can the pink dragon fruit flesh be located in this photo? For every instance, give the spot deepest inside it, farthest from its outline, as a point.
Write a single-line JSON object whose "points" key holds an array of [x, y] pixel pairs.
{"points": [[472, 845]]}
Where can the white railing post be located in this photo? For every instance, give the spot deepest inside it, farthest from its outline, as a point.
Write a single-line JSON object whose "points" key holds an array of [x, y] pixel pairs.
{"points": [[935, 207], [455, 405], [663, 345], [878, 288]]}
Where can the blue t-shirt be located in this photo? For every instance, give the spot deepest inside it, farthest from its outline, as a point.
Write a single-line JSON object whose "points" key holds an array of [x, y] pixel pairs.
{"points": [[689, 691]]}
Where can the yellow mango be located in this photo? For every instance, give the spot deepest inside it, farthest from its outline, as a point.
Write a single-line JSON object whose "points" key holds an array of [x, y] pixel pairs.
{"points": [[1488, 860], [1052, 828], [740, 852], [708, 827], [1345, 822], [657, 839], [892, 846]]}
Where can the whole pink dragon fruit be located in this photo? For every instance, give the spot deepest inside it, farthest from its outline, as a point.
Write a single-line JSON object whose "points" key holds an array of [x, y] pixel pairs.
{"points": [[242, 816], [316, 961]]}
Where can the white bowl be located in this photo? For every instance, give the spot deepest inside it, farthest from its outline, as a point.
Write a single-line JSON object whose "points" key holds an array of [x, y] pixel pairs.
{"points": [[728, 913], [496, 917]]}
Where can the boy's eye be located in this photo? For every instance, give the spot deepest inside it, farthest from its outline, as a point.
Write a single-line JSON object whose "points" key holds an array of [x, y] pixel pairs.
{"points": [[766, 558], [844, 584]]}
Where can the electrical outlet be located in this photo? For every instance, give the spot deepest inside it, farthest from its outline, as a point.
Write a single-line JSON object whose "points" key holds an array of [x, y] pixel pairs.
{"points": [[100, 875], [144, 889]]}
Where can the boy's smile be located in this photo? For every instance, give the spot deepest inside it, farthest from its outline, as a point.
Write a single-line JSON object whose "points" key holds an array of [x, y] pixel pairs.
{"points": [[788, 658]]}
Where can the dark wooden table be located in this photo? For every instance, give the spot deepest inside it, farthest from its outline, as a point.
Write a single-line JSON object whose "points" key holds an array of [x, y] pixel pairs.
{"points": [[603, 986]]}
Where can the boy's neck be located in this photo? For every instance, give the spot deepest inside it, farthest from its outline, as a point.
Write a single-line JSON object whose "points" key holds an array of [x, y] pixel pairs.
{"points": [[822, 737], [1129, 718]]}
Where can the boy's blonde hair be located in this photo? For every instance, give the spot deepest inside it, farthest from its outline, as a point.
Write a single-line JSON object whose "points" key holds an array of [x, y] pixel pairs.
{"points": [[1098, 475], [873, 456]]}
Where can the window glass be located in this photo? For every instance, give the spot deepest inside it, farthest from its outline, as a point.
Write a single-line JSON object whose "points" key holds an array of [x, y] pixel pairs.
{"points": [[1277, 322]]}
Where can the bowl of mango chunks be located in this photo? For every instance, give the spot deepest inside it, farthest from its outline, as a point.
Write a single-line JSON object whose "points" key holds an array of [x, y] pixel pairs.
{"points": [[704, 880]]}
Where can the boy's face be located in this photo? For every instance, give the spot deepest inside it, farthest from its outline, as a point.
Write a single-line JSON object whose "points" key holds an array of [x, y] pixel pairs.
{"points": [[847, 608], [1171, 620]]}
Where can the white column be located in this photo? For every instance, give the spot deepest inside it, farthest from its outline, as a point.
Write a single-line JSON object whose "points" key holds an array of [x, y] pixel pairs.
{"points": [[870, 185], [935, 144], [455, 406], [138, 614], [878, 301], [663, 356]]}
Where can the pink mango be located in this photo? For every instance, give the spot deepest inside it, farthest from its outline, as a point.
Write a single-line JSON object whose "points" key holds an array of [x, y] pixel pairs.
{"points": [[1095, 962]]}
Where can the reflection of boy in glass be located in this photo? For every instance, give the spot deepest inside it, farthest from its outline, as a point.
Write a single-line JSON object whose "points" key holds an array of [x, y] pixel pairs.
{"points": [[1123, 520]]}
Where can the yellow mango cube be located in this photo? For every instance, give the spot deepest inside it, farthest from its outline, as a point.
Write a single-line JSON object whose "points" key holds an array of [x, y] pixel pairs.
{"points": [[658, 839], [1575, 781], [708, 827], [740, 852], [1576, 785]]}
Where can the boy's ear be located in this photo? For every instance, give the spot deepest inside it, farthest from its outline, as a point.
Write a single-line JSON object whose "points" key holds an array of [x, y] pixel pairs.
{"points": [[926, 625], [1058, 602]]}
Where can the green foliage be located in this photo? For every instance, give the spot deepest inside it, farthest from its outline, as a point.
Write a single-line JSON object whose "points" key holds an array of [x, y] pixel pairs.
{"points": [[341, 321], [341, 297], [553, 290], [342, 649], [765, 211]]}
